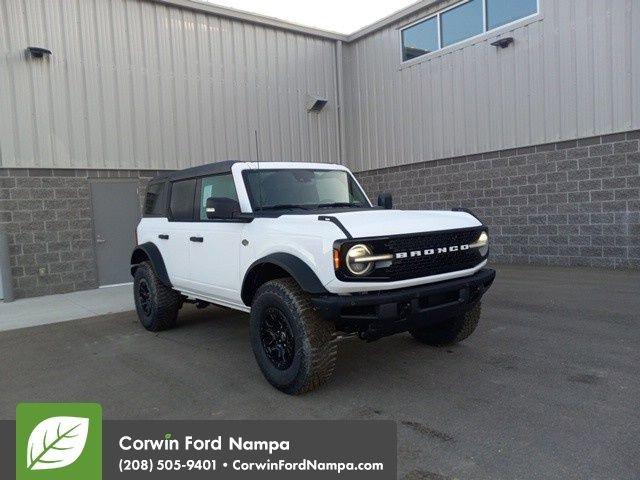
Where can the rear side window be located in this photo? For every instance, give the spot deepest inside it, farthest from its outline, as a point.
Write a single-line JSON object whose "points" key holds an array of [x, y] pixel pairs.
{"points": [[154, 201], [182, 197]]}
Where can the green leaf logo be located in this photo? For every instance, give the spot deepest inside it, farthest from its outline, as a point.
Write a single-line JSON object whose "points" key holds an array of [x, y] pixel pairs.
{"points": [[56, 442]]}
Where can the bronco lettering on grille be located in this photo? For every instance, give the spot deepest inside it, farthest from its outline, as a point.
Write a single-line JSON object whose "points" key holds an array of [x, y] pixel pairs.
{"points": [[432, 251]]}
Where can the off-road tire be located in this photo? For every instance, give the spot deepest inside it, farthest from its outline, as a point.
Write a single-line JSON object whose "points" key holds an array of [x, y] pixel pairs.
{"points": [[450, 331], [314, 339], [164, 302]]}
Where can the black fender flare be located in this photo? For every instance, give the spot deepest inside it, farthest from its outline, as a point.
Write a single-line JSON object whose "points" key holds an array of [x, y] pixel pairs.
{"points": [[149, 251], [294, 266]]}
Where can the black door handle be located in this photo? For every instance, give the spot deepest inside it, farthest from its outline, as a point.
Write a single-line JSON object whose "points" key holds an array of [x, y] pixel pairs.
{"points": [[163, 236], [196, 239]]}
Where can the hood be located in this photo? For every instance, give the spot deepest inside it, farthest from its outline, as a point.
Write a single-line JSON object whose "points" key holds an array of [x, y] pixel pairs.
{"points": [[377, 223]]}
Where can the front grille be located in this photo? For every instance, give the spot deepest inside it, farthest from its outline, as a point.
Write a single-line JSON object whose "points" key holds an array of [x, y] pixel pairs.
{"points": [[424, 265]]}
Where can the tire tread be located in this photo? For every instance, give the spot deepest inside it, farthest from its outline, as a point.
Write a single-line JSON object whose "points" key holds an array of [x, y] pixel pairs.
{"points": [[168, 301], [319, 336]]}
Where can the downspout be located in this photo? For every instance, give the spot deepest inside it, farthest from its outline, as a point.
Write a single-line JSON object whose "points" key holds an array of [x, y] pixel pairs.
{"points": [[340, 111]]}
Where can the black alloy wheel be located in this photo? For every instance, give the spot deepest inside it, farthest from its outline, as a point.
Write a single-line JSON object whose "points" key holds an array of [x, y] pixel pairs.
{"points": [[277, 338], [145, 297], [295, 348]]}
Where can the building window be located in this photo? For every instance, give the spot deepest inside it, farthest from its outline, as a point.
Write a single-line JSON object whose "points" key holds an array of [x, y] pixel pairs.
{"points": [[464, 20], [461, 22], [420, 39], [501, 12]]}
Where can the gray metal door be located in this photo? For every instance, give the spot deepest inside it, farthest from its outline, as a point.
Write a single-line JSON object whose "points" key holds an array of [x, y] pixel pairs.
{"points": [[115, 216]]}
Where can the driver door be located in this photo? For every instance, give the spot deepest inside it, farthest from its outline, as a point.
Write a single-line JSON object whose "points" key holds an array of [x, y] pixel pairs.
{"points": [[214, 245]]}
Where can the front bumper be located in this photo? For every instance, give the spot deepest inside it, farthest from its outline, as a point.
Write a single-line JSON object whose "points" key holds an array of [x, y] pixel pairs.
{"points": [[377, 314]]}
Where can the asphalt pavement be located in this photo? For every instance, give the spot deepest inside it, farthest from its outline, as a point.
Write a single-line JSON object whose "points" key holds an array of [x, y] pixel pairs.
{"points": [[548, 386]]}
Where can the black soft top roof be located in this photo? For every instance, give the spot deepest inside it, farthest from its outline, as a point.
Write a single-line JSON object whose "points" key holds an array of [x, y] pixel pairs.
{"points": [[199, 171]]}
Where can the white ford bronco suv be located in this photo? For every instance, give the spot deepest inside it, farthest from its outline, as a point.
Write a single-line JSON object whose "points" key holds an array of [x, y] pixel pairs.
{"points": [[301, 247]]}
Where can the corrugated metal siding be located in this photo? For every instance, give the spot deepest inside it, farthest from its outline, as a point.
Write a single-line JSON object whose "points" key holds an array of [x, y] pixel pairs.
{"points": [[135, 84], [573, 72]]}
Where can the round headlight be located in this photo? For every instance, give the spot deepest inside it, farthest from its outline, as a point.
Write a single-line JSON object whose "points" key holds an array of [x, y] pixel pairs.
{"points": [[351, 260], [482, 244]]}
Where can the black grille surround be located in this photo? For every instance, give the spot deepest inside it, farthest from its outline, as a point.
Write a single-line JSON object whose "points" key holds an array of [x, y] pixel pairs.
{"points": [[416, 266]]}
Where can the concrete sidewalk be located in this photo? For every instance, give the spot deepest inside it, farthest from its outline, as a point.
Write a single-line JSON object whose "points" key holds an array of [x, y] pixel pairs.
{"points": [[30, 312]]}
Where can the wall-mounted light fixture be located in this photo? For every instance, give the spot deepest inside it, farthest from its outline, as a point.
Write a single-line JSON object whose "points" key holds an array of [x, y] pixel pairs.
{"points": [[316, 103], [503, 42], [38, 52]]}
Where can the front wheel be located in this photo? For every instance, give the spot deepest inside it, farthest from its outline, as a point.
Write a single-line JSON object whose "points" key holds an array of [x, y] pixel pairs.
{"points": [[295, 348], [451, 331]]}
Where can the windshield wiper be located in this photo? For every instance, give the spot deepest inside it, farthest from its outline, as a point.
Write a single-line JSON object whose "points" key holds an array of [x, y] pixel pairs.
{"points": [[284, 206], [339, 204]]}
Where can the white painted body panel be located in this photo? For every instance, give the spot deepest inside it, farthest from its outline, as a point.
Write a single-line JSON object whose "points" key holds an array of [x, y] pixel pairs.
{"points": [[214, 269], [214, 263], [174, 250], [378, 223]]}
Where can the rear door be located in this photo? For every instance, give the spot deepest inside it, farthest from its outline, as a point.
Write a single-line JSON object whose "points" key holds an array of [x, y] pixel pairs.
{"points": [[153, 227], [214, 249], [175, 242]]}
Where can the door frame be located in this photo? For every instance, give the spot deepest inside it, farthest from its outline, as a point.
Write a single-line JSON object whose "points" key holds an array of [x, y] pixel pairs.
{"points": [[93, 222]]}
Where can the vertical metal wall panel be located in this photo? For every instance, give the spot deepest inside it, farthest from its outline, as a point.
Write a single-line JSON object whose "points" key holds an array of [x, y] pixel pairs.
{"points": [[138, 84], [634, 19], [134, 84], [7, 103], [19, 79], [572, 72]]}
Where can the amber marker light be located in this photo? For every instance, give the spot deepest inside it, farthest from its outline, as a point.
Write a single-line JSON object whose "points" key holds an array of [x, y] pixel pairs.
{"points": [[336, 259]]}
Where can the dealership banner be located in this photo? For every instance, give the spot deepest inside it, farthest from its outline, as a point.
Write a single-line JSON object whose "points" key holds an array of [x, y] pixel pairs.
{"points": [[71, 441]]}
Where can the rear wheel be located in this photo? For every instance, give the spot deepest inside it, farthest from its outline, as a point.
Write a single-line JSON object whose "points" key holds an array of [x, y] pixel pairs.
{"points": [[450, 331], [295, 348], [156, 304]]}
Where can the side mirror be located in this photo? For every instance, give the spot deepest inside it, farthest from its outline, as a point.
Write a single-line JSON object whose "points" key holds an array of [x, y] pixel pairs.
{"points": [[385, 200], [219, 208]]}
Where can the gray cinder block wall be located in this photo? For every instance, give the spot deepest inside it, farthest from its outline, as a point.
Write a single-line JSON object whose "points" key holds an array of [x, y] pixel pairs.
{"points": [[574, 203], [47, 214]]}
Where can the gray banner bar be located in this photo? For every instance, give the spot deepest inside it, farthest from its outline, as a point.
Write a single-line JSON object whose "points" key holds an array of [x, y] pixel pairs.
{"points": [[242, 449]]}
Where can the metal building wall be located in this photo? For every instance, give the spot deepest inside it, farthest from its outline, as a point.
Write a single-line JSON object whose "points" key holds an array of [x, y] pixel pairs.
{"points": [[573, 72], [139, 85]]}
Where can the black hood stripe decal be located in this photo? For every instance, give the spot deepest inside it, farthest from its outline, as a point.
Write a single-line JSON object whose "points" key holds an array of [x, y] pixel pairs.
{"points": [[338, 223]]}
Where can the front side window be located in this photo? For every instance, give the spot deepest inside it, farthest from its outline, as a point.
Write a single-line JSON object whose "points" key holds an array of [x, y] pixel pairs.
{"points": [[217, 186], [460, 22], [302, 189]]}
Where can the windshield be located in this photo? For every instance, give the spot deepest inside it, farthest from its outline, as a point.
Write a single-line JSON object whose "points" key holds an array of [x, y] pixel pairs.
{"points": [[302, 189]]}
